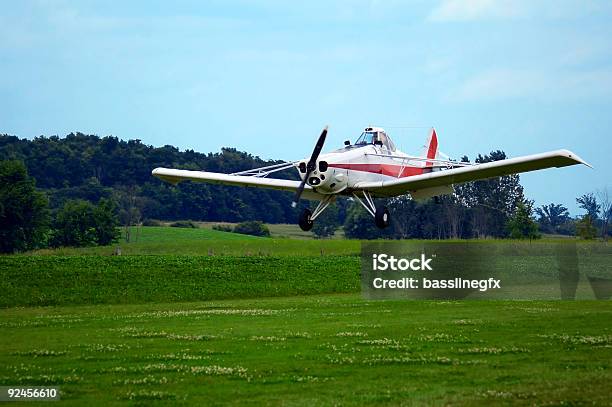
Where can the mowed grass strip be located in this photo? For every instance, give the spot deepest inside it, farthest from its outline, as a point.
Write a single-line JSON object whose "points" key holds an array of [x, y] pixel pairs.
{"points": [[158, 240], [150, 240], [74, 280], [315, 351]]}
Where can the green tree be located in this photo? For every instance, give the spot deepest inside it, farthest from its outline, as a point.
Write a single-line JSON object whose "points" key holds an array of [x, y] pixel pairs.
{"points": [[492, 201], [589, 204], [24, 216], [326, 224], [360, 225], [130, 204], [252, 227], [605, 201], [585, 227], [521, 224], [80, 223], [74, 225], [91, 190], [106, 222], [89, 167], [552, 216]]}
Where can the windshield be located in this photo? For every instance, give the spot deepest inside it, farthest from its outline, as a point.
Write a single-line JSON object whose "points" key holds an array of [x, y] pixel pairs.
{"points": [[387, 142], [367, 137]]}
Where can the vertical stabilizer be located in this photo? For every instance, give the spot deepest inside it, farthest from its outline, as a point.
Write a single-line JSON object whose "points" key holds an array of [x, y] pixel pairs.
{"points": [[431, 148]]}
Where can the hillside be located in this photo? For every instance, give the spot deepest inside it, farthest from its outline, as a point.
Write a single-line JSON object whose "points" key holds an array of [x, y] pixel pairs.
{"points": [[90, 167]]}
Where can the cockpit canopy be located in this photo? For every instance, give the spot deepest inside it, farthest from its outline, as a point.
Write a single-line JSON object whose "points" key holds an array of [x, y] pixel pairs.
{"points": [[373, 134]]}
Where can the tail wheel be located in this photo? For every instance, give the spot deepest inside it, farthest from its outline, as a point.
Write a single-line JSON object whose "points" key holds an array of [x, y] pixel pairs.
{"points": [[382, 217], [305, 222]]}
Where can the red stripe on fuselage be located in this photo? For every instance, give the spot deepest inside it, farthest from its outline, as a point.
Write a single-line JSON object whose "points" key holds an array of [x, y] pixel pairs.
{"points": [[398, 171]]}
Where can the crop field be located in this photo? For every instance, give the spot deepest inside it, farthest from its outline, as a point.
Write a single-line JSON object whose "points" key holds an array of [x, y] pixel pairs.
{"points": [[203, 317], [72, 280], [315, 350]]}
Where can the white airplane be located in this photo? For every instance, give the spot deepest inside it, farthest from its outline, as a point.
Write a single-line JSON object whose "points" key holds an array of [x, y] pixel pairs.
{"points": [[372, 167]]}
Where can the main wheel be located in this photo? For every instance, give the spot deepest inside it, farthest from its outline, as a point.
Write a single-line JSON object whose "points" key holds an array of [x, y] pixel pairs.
{"points": [[381, 218], [305, 222]]}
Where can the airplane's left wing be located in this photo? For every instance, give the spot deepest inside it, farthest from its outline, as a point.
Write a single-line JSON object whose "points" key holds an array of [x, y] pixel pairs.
{"points": [[419, 185], [175, 176]]}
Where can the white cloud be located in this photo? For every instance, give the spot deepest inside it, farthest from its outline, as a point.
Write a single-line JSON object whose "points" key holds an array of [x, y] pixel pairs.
{"points": [[497, 85], [474, 10], [467, 10]]}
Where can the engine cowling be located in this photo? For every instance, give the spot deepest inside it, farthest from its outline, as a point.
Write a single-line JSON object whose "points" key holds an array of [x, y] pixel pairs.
{"points": [[326, 179]]}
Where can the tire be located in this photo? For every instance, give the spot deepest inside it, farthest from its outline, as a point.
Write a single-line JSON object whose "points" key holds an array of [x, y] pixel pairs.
{"points": [[305, 222], [382, 217]]}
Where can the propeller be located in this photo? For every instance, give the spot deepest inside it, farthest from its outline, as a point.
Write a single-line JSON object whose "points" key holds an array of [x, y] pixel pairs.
{"points": [[311, 166]]}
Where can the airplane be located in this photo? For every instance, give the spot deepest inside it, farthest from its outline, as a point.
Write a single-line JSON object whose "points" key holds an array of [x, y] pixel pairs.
{"points": [[372, 167]]}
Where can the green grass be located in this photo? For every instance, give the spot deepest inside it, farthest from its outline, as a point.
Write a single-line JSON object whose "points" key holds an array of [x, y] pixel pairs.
{"points": [[164, 234], [261, 267], [204, 241], [318, 350], [155, 240], [188, 316], [279, 230], [70, 280]]}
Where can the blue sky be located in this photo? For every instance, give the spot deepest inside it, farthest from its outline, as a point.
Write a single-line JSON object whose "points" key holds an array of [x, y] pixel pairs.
{"points": [[266, 76]]}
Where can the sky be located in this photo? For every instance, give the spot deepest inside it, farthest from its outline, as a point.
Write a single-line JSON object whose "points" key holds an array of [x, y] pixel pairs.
{"points": [[265, 77]]}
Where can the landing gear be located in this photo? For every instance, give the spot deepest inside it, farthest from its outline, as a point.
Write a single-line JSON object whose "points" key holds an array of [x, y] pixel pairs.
{"points": [[381, 215], [307, 217], [305, 221]]}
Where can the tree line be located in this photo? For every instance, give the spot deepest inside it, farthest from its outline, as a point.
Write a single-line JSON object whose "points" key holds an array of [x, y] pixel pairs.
{"points": [[26, 223], [61, 184], [89, 167]]}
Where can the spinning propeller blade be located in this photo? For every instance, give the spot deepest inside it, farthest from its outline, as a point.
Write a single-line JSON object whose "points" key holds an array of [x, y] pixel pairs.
{"points": [[311, 166]]}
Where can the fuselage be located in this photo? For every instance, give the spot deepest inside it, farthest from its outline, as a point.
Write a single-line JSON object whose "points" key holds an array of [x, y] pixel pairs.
{"points": [[339, 171]]}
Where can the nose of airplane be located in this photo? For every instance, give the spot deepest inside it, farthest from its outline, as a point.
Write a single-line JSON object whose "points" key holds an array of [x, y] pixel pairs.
{"points": [[319, 174]]}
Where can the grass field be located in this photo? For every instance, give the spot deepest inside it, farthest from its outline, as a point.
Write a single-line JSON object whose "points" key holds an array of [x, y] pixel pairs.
{"points": [[189, 316], [279, 230], [205, 241], [156, 240], [317, 350], [94, 279]]}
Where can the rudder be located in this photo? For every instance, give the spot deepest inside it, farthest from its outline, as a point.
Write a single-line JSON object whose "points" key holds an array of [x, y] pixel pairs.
{"points": [[431, 148]]}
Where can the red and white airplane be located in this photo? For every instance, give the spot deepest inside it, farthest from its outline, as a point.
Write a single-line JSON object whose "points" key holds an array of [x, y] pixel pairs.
{"points": [[372, 167]]}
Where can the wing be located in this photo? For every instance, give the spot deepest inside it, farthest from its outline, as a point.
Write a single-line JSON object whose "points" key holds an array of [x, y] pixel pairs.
{"points": [[175, 176], [435, 181]]}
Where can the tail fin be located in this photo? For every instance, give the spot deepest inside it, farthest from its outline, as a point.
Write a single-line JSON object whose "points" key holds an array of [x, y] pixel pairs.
{"points": [[431, 148]]}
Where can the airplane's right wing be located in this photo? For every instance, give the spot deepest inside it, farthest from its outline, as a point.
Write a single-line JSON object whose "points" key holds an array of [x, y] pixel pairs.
{"points": [[437, 180], [175, 176]]}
